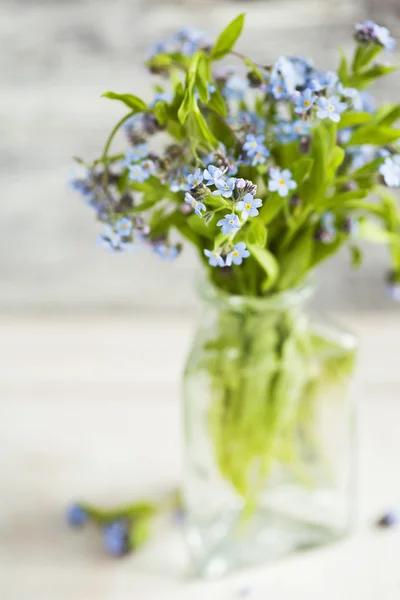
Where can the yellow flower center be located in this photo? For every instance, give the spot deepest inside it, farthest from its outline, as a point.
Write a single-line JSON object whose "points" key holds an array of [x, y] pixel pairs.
{"points": [[235, 253], [248, 206], [215, 254], [331, 107], [227, 187], [195, 182], [195, 203], [281, 182], [306, 103]]}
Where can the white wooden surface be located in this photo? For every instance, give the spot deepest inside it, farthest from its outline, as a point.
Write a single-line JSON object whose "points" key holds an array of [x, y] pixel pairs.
{"points": [[89, 408]]}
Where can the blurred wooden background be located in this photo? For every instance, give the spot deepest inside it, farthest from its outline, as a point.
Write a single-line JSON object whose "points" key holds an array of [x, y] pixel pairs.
{"points": [[57, 57]]}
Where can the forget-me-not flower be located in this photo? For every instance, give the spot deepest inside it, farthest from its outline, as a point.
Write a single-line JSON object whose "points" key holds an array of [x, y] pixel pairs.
{"points": [[166, 251], [123, 227], [229, 224], [225, 188], [252, 144], [137, 173], [249, 206], [330, 108], [369, 31], [135, 154], [148, 167], [212, 174], [195, 179], [303, 102], [110, 239], [301, 128], [260, 156], [390, 171], [195, 204], [237, 255], [215, 258], [281, 182]]}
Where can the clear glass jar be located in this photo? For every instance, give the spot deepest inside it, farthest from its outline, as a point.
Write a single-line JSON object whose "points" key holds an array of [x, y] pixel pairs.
{"points": [[269, 430]]}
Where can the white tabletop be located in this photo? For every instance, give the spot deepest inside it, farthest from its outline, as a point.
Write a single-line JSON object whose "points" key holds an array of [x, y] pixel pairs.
{"points": [[90, 410]]}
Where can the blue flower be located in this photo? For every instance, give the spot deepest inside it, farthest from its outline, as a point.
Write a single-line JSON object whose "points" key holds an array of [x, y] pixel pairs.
{"points": [[252, 144], [277, 88], [166, 251], [351, 226], [198, 206], [195, 179], [303, 102], [77, 515], [123, 227], [283, 76], [229, 224], [284, 132], [116, 538], [137, 173], [212, 175], [235, 88], [369, 31], [301, 128], [215, 258], [281, 182], [135, 154], [237, 255], [225, 187], [161, 97], [330, 108], [148, 167], [110, 240], [260, 156], [390, 171], [327, 231], [249, 206]]}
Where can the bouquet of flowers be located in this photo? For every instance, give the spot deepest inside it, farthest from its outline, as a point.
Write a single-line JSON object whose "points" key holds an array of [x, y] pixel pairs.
{"points": [[267, 170]]}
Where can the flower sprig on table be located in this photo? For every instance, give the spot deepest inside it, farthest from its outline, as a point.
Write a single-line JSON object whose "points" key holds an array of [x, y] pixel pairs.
{"points": [[267, 170]]}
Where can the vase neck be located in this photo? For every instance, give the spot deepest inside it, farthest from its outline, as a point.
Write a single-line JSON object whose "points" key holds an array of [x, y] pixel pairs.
{"points": [[294, 299]]}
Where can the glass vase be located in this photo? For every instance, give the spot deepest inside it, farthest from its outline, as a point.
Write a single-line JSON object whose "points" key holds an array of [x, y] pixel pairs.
{"points": [[269, 430]]}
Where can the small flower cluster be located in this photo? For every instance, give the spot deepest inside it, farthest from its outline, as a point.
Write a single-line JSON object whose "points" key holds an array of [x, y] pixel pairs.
{"points": [[121, 534], [370, 32], [390, 171], [250, 159], [186, 41]]}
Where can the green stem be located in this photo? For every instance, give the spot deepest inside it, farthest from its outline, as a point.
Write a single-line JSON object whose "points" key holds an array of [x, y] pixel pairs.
{"points": [[104, 157]]}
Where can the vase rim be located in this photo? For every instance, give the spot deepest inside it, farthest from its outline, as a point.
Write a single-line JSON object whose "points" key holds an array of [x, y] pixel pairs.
{"points": [[291, 298]]}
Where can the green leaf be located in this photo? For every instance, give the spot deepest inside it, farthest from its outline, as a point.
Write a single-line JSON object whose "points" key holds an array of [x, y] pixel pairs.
{"points": [[379, 136], [133, 102], [203, 77], [367, 77], [217, 103], [186, 107], [295, 262], [271, 206], [228, 38], [386, 115], [256, 234], [364, 54], [356, 257], [372, 232], [343, 70], [199, 226], [269, 264], [320, 152], [301, 169], [204, 129], [161, 112], [351, 119]]}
